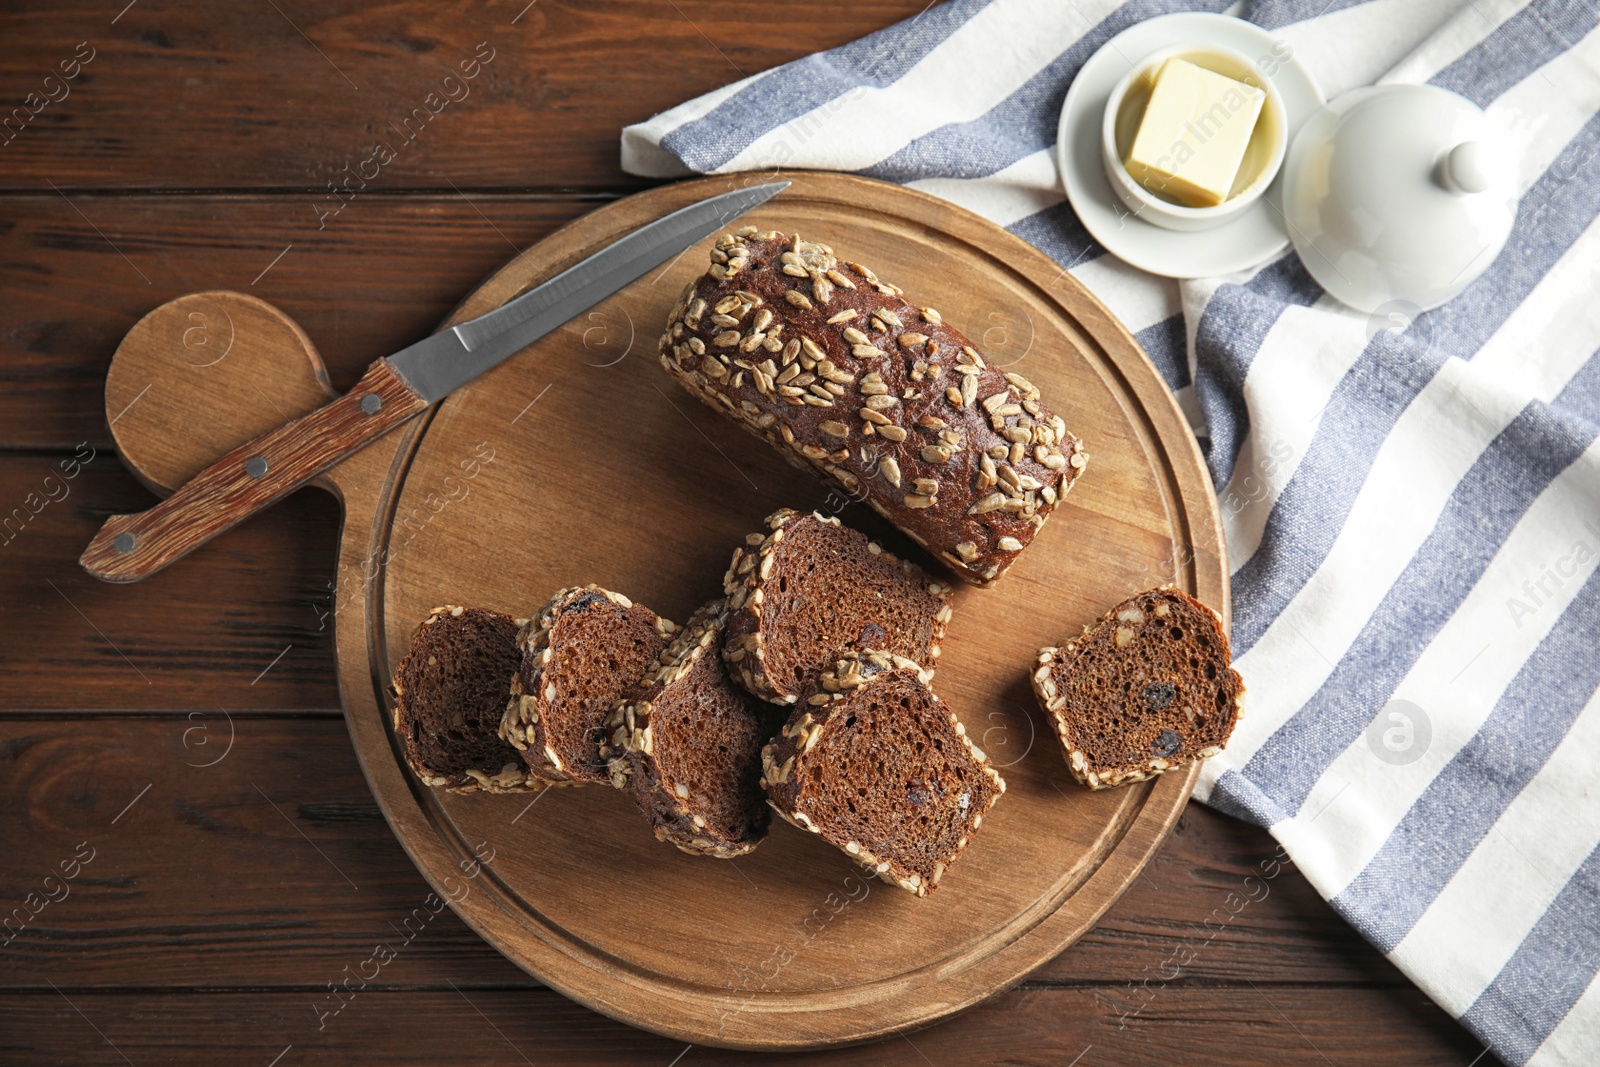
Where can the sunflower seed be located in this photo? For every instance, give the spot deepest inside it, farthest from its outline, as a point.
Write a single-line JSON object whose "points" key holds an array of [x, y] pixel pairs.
{"points": [[918, 500], [794, 270], [989, 503], [855, 336], [1027, 388], [877, 418], [881, 403], [965, 549], [912, 340], [1078, 460], [697, 346], [953, 395], [727, 304], [797, 298], [834, 428], [930, 315], [969, 389], [726, 339], [890, 317], [844, 316], [861, 351], [890, 469], [893, 433], [872, 385], [927, 486], [840, 280], [936, 454]]}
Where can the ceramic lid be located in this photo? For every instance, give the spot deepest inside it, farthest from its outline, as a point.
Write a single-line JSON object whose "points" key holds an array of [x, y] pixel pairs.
{"points": [[1398, 194]]}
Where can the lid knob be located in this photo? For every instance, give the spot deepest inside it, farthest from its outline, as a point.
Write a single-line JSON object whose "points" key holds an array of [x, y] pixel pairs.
{"points": [[1466, 168]]}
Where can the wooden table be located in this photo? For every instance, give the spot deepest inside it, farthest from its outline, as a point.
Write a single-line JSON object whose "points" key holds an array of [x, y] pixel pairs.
{"points": [[178, 745]]}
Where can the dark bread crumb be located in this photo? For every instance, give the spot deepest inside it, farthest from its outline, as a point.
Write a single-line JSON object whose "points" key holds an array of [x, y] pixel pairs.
{"points": [[811, 590], [585, 650], [1146, 689], [450, 693], [874, 763], [687, 746]]}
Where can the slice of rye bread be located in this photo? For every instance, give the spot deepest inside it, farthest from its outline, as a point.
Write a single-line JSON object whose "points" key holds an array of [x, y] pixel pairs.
{"points": [[585, 650], [812, 589], [450, 691], [1145, 689], [874, 763], [687, 746]]}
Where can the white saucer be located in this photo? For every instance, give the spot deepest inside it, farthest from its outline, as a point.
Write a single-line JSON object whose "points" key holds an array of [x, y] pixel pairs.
{"points": [[1255, 236]]}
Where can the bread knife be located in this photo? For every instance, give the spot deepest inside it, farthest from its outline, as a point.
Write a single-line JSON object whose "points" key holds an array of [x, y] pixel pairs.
{"points": [[393, 390]]}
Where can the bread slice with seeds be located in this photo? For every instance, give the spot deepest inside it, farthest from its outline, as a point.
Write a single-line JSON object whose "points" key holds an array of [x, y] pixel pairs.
{"points": [[585, 650], [811, 589], [687, 746], [832, 366], [1146, 689], [875, 764], [450, 691]]}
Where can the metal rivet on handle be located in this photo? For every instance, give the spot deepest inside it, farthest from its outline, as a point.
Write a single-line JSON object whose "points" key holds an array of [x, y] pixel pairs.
{"points": [[255, 466], [124, 543], [371, 403]]}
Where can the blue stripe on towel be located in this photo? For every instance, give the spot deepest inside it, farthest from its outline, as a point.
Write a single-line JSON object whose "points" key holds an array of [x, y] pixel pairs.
{"points": [[1525, 42], [1025, 122], [1275, 14], [1550, 970], [1236, 320], [1166, 343], [784, 94]]}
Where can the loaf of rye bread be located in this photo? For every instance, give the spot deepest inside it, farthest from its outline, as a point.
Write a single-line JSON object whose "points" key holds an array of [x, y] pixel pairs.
{"points": [[585, 650], [875, 764], [828, 363], [687, 746], [1145, 689], [811, 589], [450, 691]]}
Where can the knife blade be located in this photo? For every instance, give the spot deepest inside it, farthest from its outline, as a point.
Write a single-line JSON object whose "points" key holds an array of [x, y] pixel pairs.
{"points": [[440, 364], [393, 390]]}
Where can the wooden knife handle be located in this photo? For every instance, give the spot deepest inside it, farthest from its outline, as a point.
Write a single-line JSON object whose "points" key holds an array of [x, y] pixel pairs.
{"points": [[252, 476]]}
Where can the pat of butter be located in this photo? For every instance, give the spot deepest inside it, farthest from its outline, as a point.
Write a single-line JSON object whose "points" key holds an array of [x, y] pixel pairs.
{"points": [[1194, 134]]}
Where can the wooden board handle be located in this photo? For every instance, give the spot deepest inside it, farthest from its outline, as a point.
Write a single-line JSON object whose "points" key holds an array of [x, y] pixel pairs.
{"points": [[251, 477]]}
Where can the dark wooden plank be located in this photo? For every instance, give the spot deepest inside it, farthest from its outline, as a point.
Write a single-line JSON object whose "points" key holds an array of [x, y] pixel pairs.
{"points": [[241, 624], [377, 278], [289, 95], [1197, 1027], [204, 883]]}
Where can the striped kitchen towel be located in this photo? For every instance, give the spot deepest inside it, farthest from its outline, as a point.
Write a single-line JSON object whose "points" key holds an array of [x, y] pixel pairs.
{"points": [[1412, 509]]}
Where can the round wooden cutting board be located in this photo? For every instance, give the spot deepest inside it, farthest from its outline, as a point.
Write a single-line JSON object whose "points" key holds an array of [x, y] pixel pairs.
{"points": [[580, 460]]}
